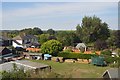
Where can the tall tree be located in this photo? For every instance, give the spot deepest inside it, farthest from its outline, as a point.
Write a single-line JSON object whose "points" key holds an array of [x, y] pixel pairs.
{"points": [[51, 31], [43, 38], [92, 29], [37, 31]]}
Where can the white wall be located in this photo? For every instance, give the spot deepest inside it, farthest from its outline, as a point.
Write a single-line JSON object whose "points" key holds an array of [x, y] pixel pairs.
{"points": [[16, 45]]}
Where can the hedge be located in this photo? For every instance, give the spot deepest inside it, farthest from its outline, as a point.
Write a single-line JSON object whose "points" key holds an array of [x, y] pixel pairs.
{"points": [[75, 55], [112, 59]]}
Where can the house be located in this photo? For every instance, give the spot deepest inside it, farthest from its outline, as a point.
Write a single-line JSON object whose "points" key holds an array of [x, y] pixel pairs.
{"points": [[5, 41], [79, 45], [6, 54], [112, 74], [25, 41]]}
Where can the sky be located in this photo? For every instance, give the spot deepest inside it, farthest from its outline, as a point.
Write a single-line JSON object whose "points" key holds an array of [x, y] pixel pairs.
{"points": [[55, 15]]}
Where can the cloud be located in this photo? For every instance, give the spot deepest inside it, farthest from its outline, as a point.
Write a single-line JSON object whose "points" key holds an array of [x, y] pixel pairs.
{"points": [[52, 10], [56, 14]]}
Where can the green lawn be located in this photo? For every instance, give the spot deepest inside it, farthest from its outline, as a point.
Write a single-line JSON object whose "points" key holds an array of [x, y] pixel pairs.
{"points": [[75, 70]]}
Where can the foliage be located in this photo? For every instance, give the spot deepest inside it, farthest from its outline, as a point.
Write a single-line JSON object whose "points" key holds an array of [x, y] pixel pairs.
{"points": [[15, 73], [51, 47], [106, 53], [68, 50], [43, 38], [68, 38], [100, 45], [34, 31], [110, 59], [115, 65], [75, 55], [51, 31], [52, 37], [117, 39], [92, 29]]}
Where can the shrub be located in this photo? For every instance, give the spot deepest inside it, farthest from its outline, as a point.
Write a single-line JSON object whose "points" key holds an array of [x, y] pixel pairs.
{"points": [[51, 47], [106, 53], [110, 59], [75, 55]]}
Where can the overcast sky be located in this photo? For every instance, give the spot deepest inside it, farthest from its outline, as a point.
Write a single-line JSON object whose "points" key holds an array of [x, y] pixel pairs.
{"points": [[56, 15]]}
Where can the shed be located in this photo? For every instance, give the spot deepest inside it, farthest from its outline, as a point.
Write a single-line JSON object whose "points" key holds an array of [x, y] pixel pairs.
{"points": [[112, 74], [29, 55], [79, 45], [28, 65]]}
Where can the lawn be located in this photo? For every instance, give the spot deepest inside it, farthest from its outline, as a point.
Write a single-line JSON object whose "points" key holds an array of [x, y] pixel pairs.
{"points": [[75, 70]]}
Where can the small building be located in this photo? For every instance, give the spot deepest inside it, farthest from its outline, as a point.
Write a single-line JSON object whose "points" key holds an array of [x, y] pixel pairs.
{"points": [[112, 74], [27, 65], [37, 56], [79, 45]]}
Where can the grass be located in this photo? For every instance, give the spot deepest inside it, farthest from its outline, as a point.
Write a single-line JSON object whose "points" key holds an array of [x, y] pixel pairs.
{"points": [[75, 70]]}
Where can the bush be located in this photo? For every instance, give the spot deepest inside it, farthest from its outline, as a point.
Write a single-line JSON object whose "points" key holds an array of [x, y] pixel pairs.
{"points": [[75, 55], [51, 47], [106, 53], [110, 59]]}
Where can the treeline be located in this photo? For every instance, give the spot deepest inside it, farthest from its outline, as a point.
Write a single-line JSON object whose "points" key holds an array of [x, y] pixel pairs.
{"points": [[92, 31]]}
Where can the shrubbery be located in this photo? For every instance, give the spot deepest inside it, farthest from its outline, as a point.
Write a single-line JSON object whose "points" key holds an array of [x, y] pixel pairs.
{"points": [[106, 53], [75, 55], [51, 47]]}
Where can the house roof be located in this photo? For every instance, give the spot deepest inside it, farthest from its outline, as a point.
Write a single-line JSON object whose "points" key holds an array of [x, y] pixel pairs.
{"points": [[22, 63], [24, 37], [17, 37], [5, 38], [4, 50], [113, 73], [80, 45]]}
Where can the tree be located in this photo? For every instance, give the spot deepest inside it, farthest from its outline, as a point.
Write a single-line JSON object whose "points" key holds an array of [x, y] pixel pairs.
{"points": [[100, 44], [51, 31], [68, 38], [92, 29], [52, 37], [37, 31], [117, 39], [43, 38], [34, 31], [51, 47]]}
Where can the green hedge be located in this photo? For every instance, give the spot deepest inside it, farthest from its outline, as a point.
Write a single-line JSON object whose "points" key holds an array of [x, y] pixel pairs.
{"points": [[112, 59], [106, 52], [75, 55]]}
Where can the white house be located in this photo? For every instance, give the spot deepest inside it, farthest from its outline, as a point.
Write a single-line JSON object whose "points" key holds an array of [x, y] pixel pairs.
{"points": [[25, 41]]}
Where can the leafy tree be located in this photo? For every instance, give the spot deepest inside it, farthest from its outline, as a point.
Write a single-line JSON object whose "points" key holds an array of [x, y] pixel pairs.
{"points": [[34, 31], [92, 29], [51, 31], [100, 44], [117, 39], [37, 31], [68, 38], [112, 39], [51, 47], [43, 38], [52, 37]]}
